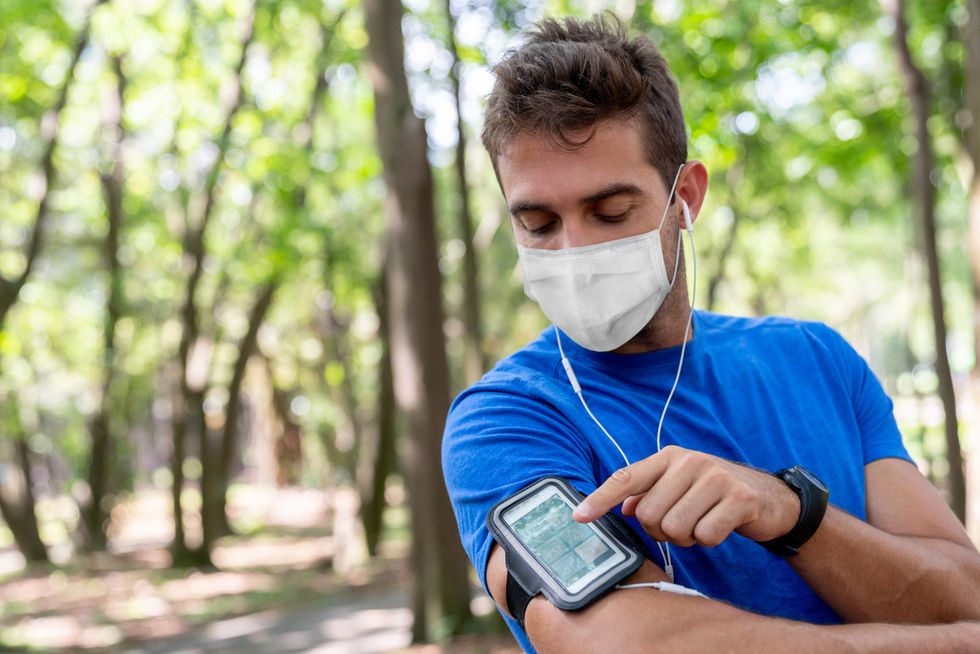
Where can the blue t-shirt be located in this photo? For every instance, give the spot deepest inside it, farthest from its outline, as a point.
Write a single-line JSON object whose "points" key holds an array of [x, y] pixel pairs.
{"points": [[770, 392]]}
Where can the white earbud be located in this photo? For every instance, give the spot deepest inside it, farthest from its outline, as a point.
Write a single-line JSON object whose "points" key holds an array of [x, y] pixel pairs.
{"points": [[688, 223]]}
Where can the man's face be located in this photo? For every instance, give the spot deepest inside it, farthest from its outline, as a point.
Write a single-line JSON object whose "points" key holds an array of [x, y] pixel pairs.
{"points": [[561, 198]]}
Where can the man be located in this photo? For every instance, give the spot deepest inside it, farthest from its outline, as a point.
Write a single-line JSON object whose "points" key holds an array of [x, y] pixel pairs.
{"points": [[586, 134]]}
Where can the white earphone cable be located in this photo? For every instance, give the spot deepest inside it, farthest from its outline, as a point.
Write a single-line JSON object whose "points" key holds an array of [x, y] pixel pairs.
{"points": [[687, 329], [665, 587], [664, 548]]}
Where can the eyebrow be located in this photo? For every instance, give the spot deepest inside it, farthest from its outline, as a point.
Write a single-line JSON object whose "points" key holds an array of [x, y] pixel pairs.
{"points": [[619, 188], [611, 190]]}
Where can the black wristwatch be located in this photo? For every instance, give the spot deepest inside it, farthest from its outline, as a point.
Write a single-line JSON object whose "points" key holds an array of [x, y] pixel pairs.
{"points": [[813, 505]]}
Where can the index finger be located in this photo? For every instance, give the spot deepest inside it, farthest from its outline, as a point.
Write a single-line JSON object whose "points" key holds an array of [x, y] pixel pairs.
{"points": [[634, 479]]}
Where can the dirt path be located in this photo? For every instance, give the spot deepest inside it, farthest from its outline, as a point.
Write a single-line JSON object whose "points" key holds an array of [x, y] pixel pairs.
{"points": [[372, 625]]}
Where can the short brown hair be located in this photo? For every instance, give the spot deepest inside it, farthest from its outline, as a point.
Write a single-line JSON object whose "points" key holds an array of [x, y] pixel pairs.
{"points": [[570, 74]]}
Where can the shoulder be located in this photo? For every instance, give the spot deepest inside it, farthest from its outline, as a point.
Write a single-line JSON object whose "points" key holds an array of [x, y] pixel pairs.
{"points": [[520, 410], [520, 394], [801, 346], [777, 331], [527, 374], [760, 325]]}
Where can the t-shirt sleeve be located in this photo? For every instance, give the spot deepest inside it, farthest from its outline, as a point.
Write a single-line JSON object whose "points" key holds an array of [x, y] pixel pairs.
{"points": [[873, 409], [498, 441]]}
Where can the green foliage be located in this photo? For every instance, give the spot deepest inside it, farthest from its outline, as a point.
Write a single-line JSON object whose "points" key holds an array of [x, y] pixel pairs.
{"points": [[796, 107]]}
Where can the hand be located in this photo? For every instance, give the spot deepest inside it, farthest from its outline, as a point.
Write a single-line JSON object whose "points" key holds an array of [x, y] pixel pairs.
{"points": [[686, 497]]}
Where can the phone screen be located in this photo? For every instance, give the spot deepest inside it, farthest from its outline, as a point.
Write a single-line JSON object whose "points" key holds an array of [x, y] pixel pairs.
{"points": [[573, 553]]}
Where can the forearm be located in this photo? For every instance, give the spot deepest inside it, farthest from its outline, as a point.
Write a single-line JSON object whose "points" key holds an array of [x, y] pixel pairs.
{"points": [[645, 621], [868, 575]]}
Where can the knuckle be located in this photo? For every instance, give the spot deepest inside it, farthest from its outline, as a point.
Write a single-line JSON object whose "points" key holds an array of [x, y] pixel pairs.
{"points": [[645, 513], [690, 460], [672, 525], [683, 461], [746, 495], [623, 475], [708, 535], [715, 475], [650, 517]]}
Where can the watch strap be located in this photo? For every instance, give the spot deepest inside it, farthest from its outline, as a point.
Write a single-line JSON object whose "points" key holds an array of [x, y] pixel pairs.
{"points": [[813, 507]]}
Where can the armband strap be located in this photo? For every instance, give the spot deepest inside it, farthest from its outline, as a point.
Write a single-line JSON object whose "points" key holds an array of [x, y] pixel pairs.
{"points": [[517, 600]]}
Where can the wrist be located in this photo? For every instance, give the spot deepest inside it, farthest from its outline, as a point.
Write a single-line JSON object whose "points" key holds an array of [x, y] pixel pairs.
{"points": [[812, 496], [788, 508]]}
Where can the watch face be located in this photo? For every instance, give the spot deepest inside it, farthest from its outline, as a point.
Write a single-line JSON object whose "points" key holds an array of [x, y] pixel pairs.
{"points": [[812, 478]]}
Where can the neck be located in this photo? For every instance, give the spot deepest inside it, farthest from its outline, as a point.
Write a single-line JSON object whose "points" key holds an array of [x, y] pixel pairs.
{"points": [[666, 328]]}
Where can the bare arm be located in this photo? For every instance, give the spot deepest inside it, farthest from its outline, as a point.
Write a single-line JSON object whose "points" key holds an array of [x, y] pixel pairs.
{"points": [[647, 620], [913, 562]]}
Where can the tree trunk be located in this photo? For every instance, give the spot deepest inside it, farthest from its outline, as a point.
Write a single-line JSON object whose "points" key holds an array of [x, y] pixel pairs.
{"points": [[420, 368], [96, 514], [180, 553], [17, 498], [30, 519], [179, 550], [972, 84], [347, 443], [288, 446], [474, 357], [214, 493], [374, 470], [924, 192], [191, 386], [352, 448]]}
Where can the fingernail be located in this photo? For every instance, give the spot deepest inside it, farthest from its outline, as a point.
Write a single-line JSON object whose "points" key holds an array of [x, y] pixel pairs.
{"points": [[583, 512]]}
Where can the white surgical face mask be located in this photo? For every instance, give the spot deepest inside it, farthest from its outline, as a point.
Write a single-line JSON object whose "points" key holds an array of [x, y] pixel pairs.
{"points": [[601, 295]]}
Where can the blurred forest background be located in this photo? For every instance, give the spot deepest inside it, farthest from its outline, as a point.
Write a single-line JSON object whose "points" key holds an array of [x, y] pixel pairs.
{"points": [[249, 252]]}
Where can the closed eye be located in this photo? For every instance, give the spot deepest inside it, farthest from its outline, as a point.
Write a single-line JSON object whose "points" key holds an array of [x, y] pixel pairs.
{"points": [[544, 229]]}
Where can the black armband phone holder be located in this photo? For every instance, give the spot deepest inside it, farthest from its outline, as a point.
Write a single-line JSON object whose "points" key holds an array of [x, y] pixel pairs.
{"points": [[547, 552]]}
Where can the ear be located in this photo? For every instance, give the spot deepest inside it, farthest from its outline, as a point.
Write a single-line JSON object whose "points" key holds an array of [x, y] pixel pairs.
{"points": [[691, 189]]}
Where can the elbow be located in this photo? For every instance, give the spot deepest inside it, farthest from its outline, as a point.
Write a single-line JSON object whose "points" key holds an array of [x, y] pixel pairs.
{"points": [[940, 589], [967, 606], [955, 581]]}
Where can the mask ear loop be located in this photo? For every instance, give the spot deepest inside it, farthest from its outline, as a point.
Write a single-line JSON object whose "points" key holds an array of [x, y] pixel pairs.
{"points": [[677, 258], [673, 187]]}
